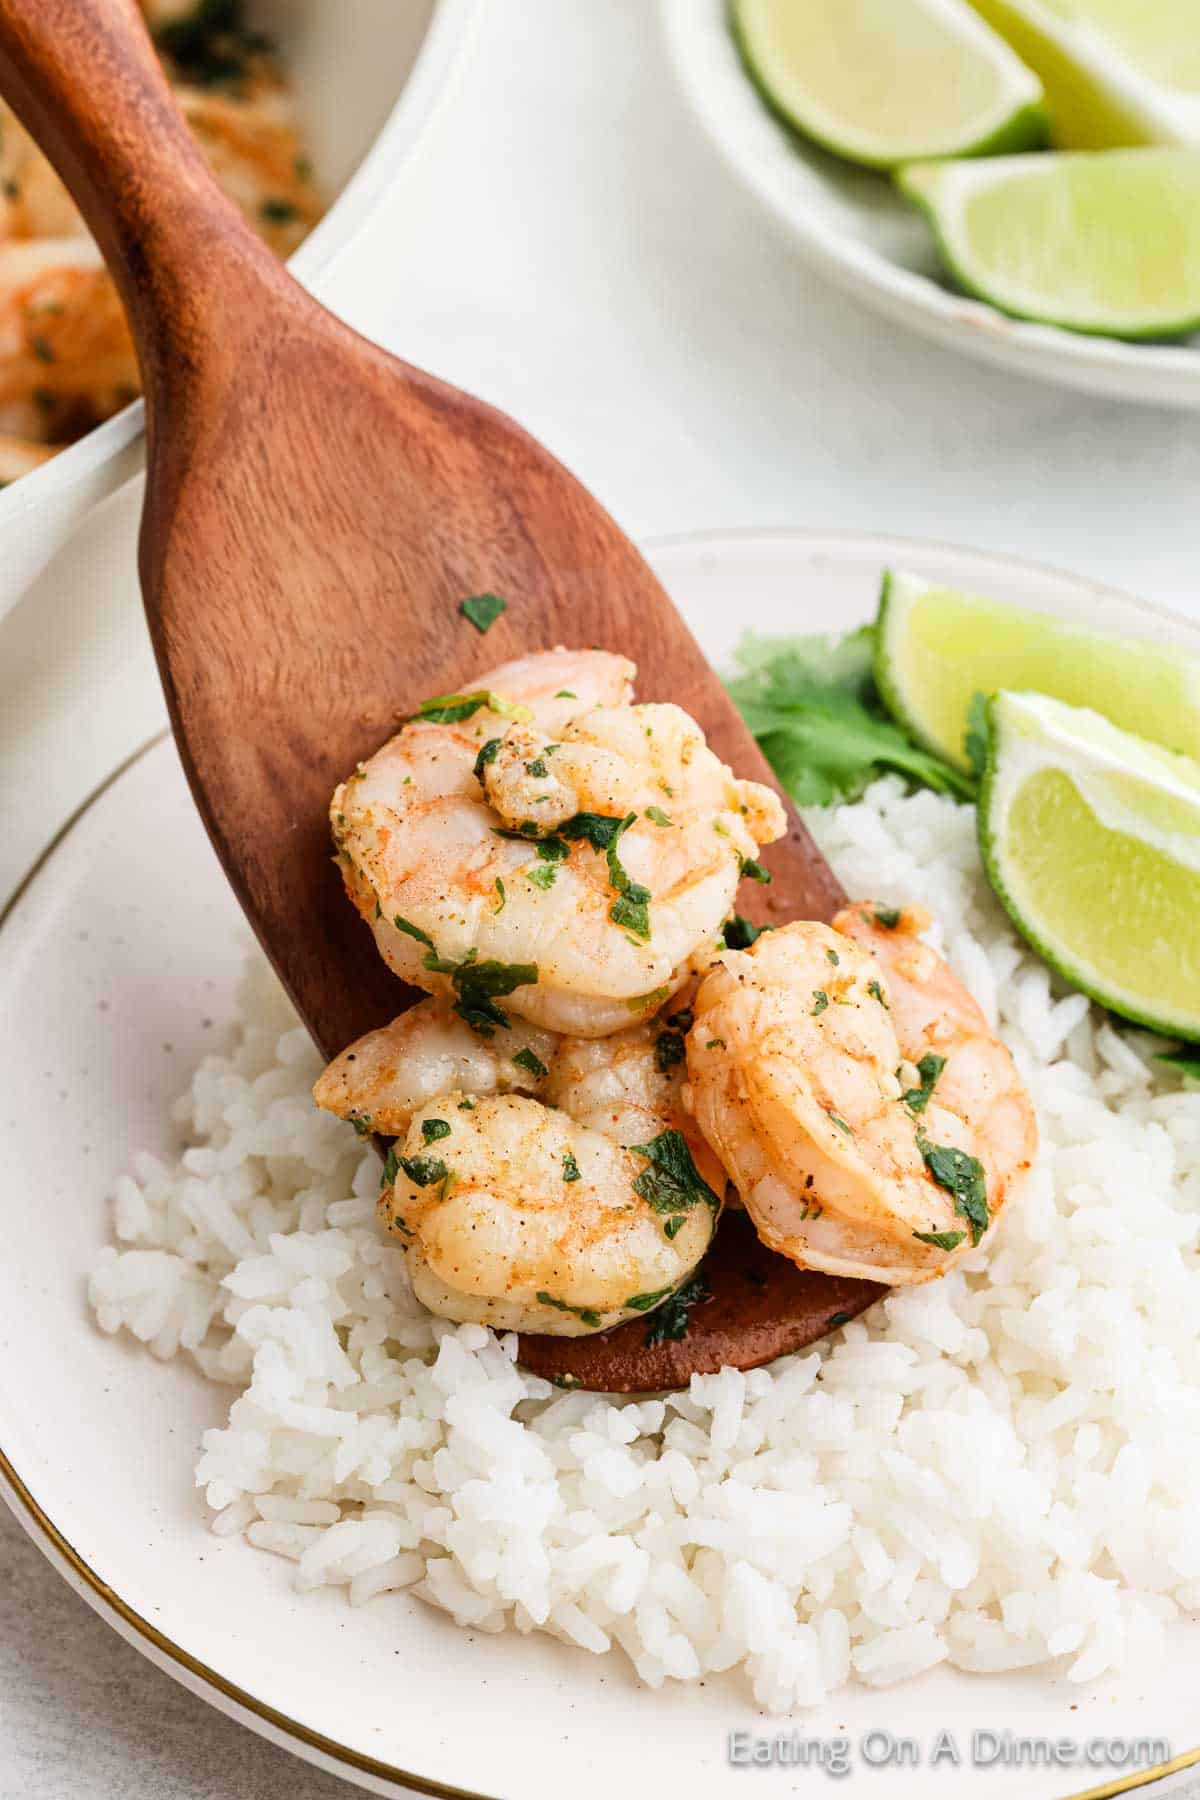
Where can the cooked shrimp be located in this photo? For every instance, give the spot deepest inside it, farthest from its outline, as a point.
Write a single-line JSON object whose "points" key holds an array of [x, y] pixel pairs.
{"points": [[33, 201], [518, 1193], [580, 913], [19, 457], [65, 348], [250, 141], [871, 1121]]}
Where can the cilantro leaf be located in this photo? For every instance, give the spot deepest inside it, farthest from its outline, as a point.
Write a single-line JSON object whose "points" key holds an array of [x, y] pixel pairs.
{"points": [[483, 610], [812, 704], [531, 1061], [962, 1176], [941, 1240], [452, 709], [645, 1302], [929, 1068], [740, 934], [423, 1171], [433, 1129], [671, 1183], [670, 1321]]}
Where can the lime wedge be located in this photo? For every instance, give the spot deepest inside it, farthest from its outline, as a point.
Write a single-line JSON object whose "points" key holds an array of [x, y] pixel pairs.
{"points": [[1091, 839], [1115, 71], [884, 81], [935, 649], [1106, 243]]}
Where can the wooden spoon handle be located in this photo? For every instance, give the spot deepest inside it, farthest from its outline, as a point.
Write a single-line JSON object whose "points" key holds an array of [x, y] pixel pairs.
{"points": [[84, 78]]}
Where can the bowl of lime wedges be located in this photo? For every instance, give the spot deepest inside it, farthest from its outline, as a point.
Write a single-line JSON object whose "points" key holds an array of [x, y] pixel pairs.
{"points": [[1017, 178]]}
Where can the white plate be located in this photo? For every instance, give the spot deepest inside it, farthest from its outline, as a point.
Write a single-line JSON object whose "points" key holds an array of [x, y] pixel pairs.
{"points": [[852, 225], [117, 966]]}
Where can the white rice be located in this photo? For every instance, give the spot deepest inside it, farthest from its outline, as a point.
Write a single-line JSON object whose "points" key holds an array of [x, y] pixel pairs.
{"points": [[997, 1470]]}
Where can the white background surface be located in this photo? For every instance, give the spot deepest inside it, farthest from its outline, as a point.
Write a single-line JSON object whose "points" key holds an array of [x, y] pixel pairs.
{"points": [[568, 246]]}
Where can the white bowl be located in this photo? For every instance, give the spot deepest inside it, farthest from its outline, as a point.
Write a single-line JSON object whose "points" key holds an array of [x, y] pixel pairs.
{"points": [[368, 77], [860, 232]]}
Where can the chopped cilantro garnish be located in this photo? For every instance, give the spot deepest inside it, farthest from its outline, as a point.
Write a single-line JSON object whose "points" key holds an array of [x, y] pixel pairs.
{"points": [[641, 1003], [820, 1002], [668, 1051], [537, 768], [929, 1068], [962, 1176], [596, 829], [888, 917], [630, 910], [413, 931], [483, 610], [670, 1321], [433, 1129], [671, 1183], [478, 984], [570, 1167], [565, 694], [526, 1059], [553, 849], [466, 1105], [487, 756], [277, 212], [657, 816], [543, 875], [683, 1020], [501, 896], [452, 709], [833, 957], [876, 992], [361, 1123], [837, 1119], [752, 870], [391, 1167], [675, 1224], [644, 1302], [941, 1240], [423, 1171], [586, 1314], [740, 934]]}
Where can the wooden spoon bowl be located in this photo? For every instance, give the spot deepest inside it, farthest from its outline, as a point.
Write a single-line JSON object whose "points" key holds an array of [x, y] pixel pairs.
{"points": [[315, 513]]}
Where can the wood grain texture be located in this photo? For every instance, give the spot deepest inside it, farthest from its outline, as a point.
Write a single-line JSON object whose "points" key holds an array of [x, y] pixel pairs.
{"points": [[315, 512]]}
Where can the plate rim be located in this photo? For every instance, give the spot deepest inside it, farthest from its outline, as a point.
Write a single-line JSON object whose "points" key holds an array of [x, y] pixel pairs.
{"points": [[1154, 374], [174, 1659]]}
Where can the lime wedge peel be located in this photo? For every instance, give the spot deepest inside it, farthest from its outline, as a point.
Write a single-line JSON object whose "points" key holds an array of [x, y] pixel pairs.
{"points": [[1091, 840], [935, 648], [1104, 243], [1116, 72], [882, 82]]}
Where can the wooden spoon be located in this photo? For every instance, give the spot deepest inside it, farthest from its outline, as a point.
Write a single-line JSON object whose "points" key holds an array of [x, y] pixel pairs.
{"points": [[315, 512]]}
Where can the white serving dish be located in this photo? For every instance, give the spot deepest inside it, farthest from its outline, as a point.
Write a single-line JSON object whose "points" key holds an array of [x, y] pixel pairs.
{"points": [[368, 75], [119, 958], [856, 230]]}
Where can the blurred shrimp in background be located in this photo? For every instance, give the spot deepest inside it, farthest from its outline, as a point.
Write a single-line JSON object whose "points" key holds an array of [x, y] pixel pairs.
{"points": [[66, 357]]}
